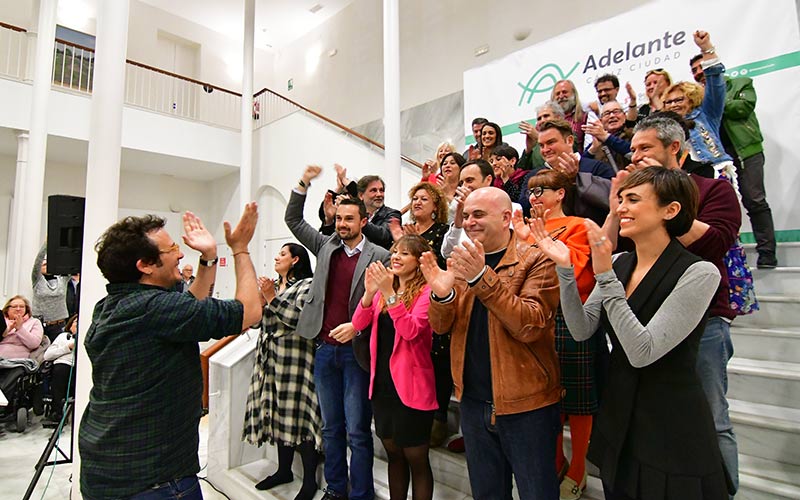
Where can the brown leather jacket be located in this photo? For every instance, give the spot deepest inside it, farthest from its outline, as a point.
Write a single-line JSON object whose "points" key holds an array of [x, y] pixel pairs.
{"points": [[521, 296]]}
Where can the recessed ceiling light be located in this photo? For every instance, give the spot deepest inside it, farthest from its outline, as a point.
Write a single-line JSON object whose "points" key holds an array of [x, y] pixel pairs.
{"points": [[316, 8]]}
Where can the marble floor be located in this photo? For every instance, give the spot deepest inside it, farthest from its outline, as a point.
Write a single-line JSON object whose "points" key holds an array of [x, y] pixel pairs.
{"points": [[19, 453]]}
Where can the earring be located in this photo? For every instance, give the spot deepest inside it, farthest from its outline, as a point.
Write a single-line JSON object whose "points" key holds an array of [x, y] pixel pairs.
{"points": [[433, 216]]}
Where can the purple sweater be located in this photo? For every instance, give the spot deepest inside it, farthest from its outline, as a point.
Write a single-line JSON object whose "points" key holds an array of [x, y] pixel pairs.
{"points": [[719, 208]]}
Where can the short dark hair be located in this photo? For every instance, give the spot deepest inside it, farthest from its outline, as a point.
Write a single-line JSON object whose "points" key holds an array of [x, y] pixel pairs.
{"points": [[302, 269], [695, 59], [365, 181], [559, 124], [479, 121], [484, 166], [506, 152], [362, 209], [669, 185], [608, 77], [125, 243]]}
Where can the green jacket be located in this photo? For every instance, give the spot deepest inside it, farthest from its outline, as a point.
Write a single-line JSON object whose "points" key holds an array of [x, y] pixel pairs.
{"points": [[739, 118]]}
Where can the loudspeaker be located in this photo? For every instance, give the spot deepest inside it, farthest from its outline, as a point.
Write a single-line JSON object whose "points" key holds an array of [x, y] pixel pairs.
{"points": [[64, 234]]}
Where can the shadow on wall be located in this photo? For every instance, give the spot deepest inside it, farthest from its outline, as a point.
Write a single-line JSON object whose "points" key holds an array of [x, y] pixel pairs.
{"points": [[425, 126]]}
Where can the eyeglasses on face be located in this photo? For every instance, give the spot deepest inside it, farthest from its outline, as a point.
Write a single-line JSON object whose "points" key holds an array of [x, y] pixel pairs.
{"points": [[611, 112], [172, 248], [677, 100], [537, 191]]}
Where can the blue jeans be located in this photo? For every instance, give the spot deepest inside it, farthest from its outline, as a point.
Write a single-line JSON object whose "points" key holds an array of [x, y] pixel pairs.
{"points": [[716, 349], [342, 389], [187, 488], [523, 444]]}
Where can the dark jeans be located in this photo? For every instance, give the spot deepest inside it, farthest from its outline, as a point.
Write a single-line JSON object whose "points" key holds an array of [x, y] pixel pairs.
{"points": [[342, 389], [187, 488], [754, 198], [522, 444]]}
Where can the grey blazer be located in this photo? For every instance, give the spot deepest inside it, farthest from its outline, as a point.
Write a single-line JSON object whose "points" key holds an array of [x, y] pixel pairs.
{"points": [[322, 247]]}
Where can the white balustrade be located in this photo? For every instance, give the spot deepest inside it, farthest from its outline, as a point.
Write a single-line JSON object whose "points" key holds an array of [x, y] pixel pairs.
{"points": [[269, 107], [13, 53]]}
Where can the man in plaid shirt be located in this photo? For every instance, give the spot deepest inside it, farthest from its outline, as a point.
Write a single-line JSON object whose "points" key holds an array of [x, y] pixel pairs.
{"points": [[139, 435]]}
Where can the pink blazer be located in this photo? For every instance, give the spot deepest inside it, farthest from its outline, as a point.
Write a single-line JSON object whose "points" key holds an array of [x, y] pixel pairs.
{"points": [[410, 365]]}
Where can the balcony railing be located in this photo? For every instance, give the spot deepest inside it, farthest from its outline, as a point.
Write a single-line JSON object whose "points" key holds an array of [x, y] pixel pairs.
{"points": [[13, 51], [157, 90]]}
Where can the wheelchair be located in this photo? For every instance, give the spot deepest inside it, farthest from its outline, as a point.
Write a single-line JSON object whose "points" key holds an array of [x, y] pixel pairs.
{"points": [[24, 390]]}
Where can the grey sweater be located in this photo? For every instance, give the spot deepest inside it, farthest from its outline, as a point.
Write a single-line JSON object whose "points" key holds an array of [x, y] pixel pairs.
{"points": [[49, 296], [643, 344]]}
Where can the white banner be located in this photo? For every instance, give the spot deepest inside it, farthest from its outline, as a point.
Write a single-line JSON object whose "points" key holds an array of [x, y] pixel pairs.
{"points": [[760, 40]]}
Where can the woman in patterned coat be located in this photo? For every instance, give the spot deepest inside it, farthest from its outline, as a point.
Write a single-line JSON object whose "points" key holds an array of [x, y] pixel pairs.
{"points": [[282, 408]]}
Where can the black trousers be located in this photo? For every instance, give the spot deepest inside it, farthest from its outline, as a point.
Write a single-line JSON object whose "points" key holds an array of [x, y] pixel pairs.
{"points": [[754, 198], [59, 379]]}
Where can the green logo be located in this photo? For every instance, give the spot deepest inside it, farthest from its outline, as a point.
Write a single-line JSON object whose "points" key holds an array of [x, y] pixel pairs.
{"points": [[543, 81]]}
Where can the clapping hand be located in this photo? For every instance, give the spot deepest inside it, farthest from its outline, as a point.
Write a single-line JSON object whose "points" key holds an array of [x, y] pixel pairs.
{"points": [[469, 259], [555, 250], [439, 280], [601, 247], [596, 129], [240, 236], [267, 288], [520, 227], [197, 237], [567, 164]]}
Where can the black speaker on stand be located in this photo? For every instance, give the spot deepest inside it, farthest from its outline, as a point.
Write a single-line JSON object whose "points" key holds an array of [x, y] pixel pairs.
{"points": [[64, 234]]}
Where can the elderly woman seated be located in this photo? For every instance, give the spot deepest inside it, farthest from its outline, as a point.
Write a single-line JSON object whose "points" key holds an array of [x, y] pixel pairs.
{"points": [[21, 337]]}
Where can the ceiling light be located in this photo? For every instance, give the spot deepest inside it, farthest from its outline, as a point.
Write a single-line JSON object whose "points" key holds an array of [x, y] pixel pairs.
{"points": [[316, 8]]}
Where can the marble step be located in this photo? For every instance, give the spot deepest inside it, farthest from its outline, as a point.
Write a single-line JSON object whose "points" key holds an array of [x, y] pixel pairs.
{"points": [[788, 254], [774, 311], [769, 344], [767, 479], [778, 281], [767, 431], [767, 382]]}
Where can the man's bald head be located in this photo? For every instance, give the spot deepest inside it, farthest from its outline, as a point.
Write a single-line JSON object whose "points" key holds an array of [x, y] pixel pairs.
{"points": [[487, 217]]}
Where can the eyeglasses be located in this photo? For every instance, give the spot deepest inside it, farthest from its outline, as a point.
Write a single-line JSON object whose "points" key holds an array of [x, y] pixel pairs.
{"points": [[611, 112], [677, 100], [173, 248], [536, 191], [14, 306]]}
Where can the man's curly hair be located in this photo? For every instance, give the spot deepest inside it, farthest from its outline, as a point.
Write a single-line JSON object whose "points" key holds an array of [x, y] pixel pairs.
{"points": [[125, 243]]}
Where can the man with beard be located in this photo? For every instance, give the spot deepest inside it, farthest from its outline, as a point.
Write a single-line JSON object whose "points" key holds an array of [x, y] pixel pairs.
{"points": [[566, 95], [612, 137], [371, 190], [341, 362]]}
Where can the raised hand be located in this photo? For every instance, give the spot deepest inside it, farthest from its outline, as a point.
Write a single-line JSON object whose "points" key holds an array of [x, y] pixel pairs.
{"points": [[240, 236], [520, 227], [396, 229], [601, 247], [267, 288], [568, 164], [631, 94], [311, 172], [329, 208], [383, 278], [441, 281], [555, 250], [613, 195], [539, 212], [702, 39], [440, 180], [596, 129], [529, 130], [468, 259], [410, 229], [197, 237], [341, 176], [428, 168]]}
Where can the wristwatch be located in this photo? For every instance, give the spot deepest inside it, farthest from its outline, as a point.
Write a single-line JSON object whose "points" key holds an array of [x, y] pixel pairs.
{"points": [[391, 300], [209, 263]]}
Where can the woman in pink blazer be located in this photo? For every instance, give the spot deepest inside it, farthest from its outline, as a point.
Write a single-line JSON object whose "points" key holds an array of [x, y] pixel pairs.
{"points": [[402, 387]]}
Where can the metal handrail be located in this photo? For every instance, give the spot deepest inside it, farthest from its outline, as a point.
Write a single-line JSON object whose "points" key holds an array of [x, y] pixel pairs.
{"points": [[336, 124]]}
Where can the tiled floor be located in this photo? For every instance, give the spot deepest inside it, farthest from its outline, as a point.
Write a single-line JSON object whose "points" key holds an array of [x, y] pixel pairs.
{"points": [[19, 453]]}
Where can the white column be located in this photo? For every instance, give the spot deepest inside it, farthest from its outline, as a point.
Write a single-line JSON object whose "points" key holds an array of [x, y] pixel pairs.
{"points": [[391, 101], [16, 271], [246, 166], [102, 176], [33, 187]]}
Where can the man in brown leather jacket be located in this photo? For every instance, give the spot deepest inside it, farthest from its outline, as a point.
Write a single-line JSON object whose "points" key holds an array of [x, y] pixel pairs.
{"points": [[498, 299]]}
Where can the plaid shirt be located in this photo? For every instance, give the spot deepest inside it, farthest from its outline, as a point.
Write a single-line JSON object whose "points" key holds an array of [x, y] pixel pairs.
{"points": [[140, 427]]}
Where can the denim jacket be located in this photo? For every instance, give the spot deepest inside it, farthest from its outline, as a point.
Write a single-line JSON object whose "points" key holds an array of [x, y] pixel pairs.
{"points": [[704, 137]]}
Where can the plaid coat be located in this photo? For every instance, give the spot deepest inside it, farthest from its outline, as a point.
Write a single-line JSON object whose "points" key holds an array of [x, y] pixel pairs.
{"points": [[282, 406]]}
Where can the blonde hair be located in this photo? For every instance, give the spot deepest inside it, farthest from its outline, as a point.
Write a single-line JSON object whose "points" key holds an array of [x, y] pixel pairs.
{"points": [[691, 91]]}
